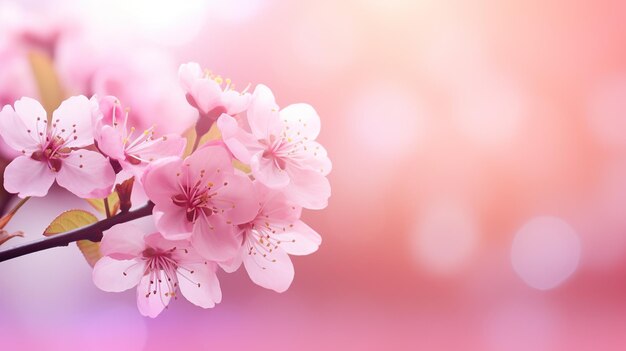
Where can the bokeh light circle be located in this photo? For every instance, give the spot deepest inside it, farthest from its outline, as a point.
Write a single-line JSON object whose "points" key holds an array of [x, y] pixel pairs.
{"points": [[545, 252]]}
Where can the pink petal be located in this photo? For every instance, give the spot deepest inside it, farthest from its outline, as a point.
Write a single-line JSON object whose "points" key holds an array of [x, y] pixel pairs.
{"points": [[232, 265], [315, 158], [75, 117], [111, 142], [15, 128], [215, 240], [27, 177], [274, 271], [172, 222], [188, 74], [151, 305], [162, 147], [300, 239], [87, 174], [275, 205], [267, 172], [302, 121], [212, 161], [309, 189], [263, 114], [206, 94], [123, 241], [108, 274], [202, 288], [234, 102], [241, 143], [160, 180], [237, 197]]}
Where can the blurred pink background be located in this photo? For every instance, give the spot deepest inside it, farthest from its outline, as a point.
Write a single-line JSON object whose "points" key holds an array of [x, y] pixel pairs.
{"points": [[479, 181]]}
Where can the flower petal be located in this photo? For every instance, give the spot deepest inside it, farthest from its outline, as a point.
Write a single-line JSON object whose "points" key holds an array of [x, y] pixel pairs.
{"points": [[19, 131], [235, 102], [237, 198], [153, 298], [188, 74], [302, 121], [241, 143], [316, 158], [215, 240], [202, 288], [308, 188], [267, 172], [299, 239], [263, 114], [160, 180], [117, 275], [123, 241], [210, 163], [87, 174], [27, 177], [171, 221], [111, 142], [165, 146], [273, 271], [73, 121]]}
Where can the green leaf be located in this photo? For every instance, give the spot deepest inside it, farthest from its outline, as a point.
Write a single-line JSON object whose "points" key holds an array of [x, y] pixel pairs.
{"points": [[90, 250], [74, 219], [70, 220], [114, 204]]}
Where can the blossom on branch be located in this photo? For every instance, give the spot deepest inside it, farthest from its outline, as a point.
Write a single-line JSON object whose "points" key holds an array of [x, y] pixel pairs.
{"points": [[52, 150], [159, 268]]}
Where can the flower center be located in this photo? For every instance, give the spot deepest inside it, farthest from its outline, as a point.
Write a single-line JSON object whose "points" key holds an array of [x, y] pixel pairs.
{"points": [[195, 201], [275, 150], [53, 152]]}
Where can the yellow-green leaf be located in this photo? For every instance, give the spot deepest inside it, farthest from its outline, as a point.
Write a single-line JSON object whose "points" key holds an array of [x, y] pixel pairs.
{"points": [[242, 166], [114, 204], [190, 135], [74, 219], [90, 250], [70, 220]]}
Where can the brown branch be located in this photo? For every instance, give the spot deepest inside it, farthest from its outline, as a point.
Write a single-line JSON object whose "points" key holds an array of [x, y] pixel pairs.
{"points": [[91, 232]]}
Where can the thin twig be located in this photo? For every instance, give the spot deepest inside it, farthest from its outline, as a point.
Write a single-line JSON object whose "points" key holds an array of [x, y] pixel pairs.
{"points": [[91, 232], [107, 210]]}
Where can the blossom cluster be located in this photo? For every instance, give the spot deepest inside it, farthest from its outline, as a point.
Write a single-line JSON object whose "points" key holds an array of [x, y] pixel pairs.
{"points": [[235, 199]]}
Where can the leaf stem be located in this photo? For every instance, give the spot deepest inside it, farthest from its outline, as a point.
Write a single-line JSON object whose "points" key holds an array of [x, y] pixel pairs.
{"points": [[91, 232], [106, 207], [6, 218]]}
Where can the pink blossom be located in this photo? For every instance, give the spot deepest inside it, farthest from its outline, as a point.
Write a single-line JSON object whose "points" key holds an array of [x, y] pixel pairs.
{"points": [[269, 239], [132, 150], [50, 152], [281, 150], [158, 267], [201, 197], [209, 94], [141, 77]]}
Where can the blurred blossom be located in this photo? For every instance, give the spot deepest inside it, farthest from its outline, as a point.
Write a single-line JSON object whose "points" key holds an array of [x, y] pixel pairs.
{"points": [[166, 22], [329, 45], [606, 111], [446, 238], [386, 119], [545, 252], [491, 110], [144, 78]]}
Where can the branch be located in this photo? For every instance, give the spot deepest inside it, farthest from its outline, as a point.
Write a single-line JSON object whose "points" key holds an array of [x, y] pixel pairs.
{"points": [[91, 232]]}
